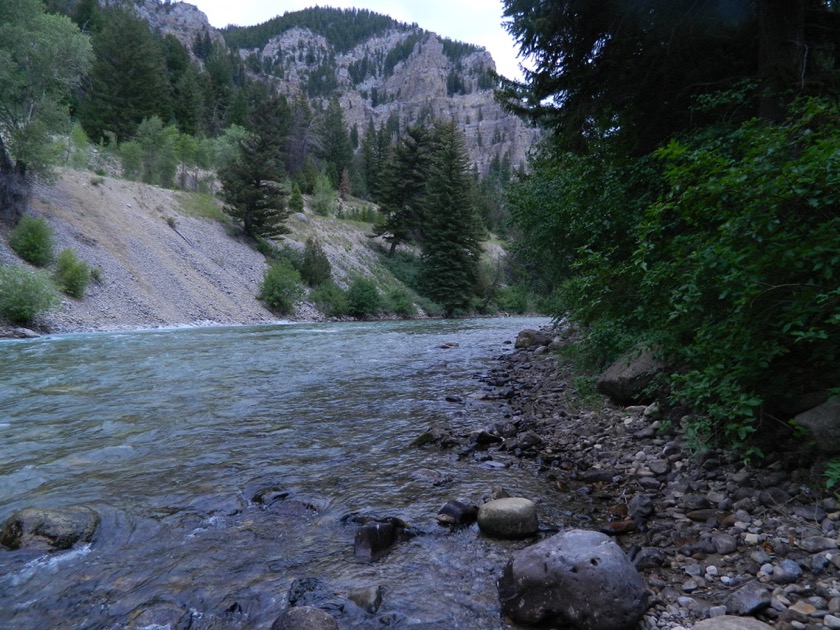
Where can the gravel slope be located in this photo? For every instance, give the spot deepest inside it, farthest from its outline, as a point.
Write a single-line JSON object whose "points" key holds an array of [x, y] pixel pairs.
{"points": [[152, 274]]}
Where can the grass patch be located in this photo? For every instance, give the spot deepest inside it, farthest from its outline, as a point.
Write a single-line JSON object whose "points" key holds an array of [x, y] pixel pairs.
{"points": [[203, 205]]}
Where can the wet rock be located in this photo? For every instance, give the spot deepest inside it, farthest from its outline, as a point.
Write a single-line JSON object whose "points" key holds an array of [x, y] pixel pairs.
{"points": [[649, 558], [374, 540], [457, 513], [577, 578], [304, 618], [626, 379], [512, 517], [824, 424], [368, 599], [532, 339], [749, 599], [728, 622], [49, 529], [160, 614], [23, 333]]}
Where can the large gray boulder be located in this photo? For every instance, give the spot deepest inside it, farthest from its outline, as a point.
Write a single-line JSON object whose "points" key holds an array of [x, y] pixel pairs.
{"points": [[49, 529], [824, 424], [578, 579], [625, 380]]}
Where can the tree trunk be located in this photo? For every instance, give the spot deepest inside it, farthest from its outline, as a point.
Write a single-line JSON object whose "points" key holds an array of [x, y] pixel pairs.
{"points": [[15, 189], [783, 54]]}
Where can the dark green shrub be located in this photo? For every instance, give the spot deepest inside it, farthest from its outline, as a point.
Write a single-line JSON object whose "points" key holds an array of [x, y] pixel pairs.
{"points": [[330, 299], [363, 298], [296, 200], [513, 299], [281, 287], [32, 240], [315, 267], [25, 293], [399, 302], [72, 275]]}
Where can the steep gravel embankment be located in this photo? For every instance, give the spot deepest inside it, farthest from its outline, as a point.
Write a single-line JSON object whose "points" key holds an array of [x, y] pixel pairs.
{"points": [[159, 266]]}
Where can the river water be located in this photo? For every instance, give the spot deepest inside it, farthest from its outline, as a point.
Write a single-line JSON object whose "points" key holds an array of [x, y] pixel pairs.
{"points": [[168, 434]]}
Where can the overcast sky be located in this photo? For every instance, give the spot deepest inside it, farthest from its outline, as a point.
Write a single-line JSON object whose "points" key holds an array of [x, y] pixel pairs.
{"points": [[473, 21]]}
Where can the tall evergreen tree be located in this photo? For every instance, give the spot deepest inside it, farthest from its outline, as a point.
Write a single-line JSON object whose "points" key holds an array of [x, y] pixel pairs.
{"points": [[375, 154], [452, 247], [253, 185], [128, 79], [403, 188], [336, 150]]}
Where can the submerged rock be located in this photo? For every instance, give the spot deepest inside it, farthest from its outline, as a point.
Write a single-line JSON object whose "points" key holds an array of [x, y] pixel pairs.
{"points": [[304, 618], [579, 579], [49, 529], [457, 513]]}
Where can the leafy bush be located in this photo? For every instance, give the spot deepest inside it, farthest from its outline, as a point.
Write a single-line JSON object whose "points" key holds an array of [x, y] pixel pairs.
{"points": [[741, 260], [399, 302], [330, 299], [324, 198], [281, 287], [32, 240], [72, 275], [405, 267], [513, 299], [315, 267], [25, 293], [363, 298]]}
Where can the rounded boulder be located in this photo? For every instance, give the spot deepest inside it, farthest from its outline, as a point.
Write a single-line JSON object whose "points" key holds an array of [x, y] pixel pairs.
{"points": [[512, 517], [49, 529], [578, 579]]}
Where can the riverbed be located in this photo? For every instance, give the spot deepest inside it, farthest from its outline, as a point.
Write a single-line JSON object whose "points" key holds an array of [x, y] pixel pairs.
{"points": [[169, 434]]}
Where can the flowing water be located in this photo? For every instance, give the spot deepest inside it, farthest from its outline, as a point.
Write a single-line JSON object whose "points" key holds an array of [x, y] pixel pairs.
{"points": [[169, 434]]}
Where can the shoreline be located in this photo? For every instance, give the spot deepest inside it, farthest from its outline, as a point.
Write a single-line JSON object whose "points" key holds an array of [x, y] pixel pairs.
{"points": [[710, 533]]}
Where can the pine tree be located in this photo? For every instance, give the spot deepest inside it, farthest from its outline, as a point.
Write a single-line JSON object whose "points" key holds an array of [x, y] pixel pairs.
{"points": [[252, 186], [336, 150], [128, 79], [452, 247], [402, 190]]}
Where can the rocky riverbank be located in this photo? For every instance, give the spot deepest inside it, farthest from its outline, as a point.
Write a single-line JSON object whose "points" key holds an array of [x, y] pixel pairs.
{"points": [[710, 533]]}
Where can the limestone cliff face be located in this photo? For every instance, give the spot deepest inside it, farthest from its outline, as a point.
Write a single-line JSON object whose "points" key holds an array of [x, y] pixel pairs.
{"points": [[403, 75]]}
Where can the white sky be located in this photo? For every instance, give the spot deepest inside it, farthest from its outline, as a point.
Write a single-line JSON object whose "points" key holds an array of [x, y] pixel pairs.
{"points": [[472, 21]]}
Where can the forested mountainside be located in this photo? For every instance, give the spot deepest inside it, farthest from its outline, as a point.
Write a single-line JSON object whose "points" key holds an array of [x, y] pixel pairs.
{"points": [[382, 72]]}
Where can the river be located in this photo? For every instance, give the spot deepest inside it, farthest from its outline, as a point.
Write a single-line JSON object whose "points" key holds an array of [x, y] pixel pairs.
{"points": [[169, 433]]}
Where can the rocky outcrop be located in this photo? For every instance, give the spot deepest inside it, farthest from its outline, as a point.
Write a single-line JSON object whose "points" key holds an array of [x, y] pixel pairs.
{"points": [[579, 579]]}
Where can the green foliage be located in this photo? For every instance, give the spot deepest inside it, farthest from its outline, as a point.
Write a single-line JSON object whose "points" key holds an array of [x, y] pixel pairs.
{"points": [[315, 268], [324, 197], [405, 267], [202, 205], [33, 241], [296, 200], [72, 275], [399, 302], [363, 298], [741, 260], [513, 299], [281, 287], [253, 185], [330, 299], [152, 156], [832, 473], [25, 293], [43, 58], [342, 28]]}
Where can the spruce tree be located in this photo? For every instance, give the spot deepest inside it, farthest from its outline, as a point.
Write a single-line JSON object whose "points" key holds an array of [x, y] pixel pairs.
{"points": [[253, 185], [128, 80], [336, 149], [452, 246], [402, 190]]}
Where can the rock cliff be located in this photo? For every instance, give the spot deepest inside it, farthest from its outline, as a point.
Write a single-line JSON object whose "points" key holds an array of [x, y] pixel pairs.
{"points": [[399, 75]]}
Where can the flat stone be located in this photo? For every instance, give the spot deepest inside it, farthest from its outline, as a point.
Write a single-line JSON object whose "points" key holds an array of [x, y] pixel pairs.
{"points": [[815, 544], [512, 517], [751, 598], [803, 608], [304, 618], [724, 543], [830, 621], [728, 622]]}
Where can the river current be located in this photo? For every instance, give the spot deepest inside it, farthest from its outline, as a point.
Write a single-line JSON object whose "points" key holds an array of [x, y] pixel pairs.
{"points": [[168, 434]]}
